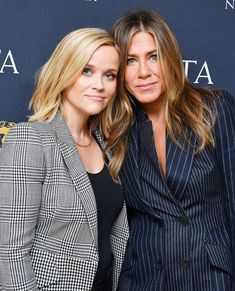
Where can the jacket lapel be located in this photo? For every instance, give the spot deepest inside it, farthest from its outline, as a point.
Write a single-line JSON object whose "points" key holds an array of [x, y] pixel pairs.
{"points": [[179, 163], [163, 199], [100, 139], [168, 190], [131, 179], [77, 171]]}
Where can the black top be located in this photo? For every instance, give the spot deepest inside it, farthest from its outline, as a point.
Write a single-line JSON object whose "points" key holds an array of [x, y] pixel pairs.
{"points": [[109, 201]]}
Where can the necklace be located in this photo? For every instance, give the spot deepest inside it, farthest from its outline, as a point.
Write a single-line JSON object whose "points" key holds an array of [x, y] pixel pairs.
{"points": [[82, 145]]}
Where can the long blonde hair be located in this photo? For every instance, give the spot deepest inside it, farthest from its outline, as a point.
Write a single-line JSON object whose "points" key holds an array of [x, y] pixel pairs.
{"points": [[185, 106], [61, 70]]}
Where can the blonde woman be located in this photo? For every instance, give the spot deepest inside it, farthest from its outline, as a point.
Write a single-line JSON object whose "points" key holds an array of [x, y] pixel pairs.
{"points": [[179, 171], [62, 217]]}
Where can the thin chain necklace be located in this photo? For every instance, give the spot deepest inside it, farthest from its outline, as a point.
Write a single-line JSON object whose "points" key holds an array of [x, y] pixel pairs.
{"points": [[84, 146]]}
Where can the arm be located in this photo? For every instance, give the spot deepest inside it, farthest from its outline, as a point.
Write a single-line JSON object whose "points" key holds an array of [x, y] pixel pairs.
{"points": [[21, 176], [225, 146]]}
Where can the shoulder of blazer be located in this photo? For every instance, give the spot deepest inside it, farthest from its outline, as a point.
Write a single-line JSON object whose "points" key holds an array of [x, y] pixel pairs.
{"points": [[224, 100], [225, 113], [24, 145], [23, 132], [45, 131], [224, 129], [54, 132]]}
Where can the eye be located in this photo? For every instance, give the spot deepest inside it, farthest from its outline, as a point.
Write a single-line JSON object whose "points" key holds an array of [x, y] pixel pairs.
{"points": [[87, 71], [153, 57], [130, 61], [110, 76]]}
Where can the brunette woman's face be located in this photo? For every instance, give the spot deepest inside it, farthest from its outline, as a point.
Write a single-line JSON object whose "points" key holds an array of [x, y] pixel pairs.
{"points": [[142, 74]]}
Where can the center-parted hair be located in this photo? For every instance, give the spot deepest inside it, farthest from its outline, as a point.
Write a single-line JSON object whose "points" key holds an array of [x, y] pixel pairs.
{"points": [[62, 69], [185, 105]]}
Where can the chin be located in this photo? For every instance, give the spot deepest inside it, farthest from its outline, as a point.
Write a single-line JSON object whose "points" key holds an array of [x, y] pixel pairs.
{"points": [[95, 112]]}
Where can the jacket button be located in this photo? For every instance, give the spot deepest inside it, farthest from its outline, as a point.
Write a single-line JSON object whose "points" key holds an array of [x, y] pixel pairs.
{"points": [[184, 263], [160, 265], [183, 220], [159, 222]]}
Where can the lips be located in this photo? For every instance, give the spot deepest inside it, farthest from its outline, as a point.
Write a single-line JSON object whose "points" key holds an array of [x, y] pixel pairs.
{"points": [[96, 97], [146, 85]]}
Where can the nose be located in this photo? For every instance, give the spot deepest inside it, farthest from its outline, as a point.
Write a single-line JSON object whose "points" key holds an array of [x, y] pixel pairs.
{"points": [[143, 70], [98, 83]]}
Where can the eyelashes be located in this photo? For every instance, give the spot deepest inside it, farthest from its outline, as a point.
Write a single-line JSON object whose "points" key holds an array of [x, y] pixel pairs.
{"points": [[110, 76], [132, 60], [87, 71]]}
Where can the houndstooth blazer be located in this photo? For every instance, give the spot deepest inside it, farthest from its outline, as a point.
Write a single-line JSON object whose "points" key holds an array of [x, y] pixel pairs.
{"points": [[48, 215]]}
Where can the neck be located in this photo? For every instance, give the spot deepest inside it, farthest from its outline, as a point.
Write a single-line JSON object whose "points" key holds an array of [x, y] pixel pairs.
{"points": [[155, 110], [77, 124]]}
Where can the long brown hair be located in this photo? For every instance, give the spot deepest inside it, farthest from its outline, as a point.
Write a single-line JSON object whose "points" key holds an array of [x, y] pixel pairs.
{"points": [[185, 105], [61, 70]]}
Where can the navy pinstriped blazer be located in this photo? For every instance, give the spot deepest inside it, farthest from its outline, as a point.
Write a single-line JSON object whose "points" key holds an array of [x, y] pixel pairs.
{"points": [[182, 228]]}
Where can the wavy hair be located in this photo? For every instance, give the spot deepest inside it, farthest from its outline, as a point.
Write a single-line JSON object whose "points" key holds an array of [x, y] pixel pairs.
{"points": [[185, 105], [61, 70]]}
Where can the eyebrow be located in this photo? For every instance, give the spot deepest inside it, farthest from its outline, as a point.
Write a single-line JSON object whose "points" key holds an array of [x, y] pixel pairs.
{"points": [[147, 53]]}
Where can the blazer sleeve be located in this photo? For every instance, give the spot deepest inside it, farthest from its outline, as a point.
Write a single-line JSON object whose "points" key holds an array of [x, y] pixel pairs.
{"points": [[225, 146], [21, 178]]}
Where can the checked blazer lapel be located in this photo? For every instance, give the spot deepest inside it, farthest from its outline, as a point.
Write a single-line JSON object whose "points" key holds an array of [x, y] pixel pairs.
{"points": [[77, 172], [179, 163]]}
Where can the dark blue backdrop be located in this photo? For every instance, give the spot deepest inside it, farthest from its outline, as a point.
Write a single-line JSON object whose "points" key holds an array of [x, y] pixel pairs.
{"points": [[30, 29]]}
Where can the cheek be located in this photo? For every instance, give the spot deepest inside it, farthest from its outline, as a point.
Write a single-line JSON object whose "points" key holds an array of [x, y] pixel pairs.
{"points": [[112, 87], [83, 83], [129, 76], [155, 68]]}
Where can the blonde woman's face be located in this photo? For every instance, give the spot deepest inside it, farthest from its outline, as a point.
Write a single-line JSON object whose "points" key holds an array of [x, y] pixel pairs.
{"points": [[142, 74], [94, 88]]}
